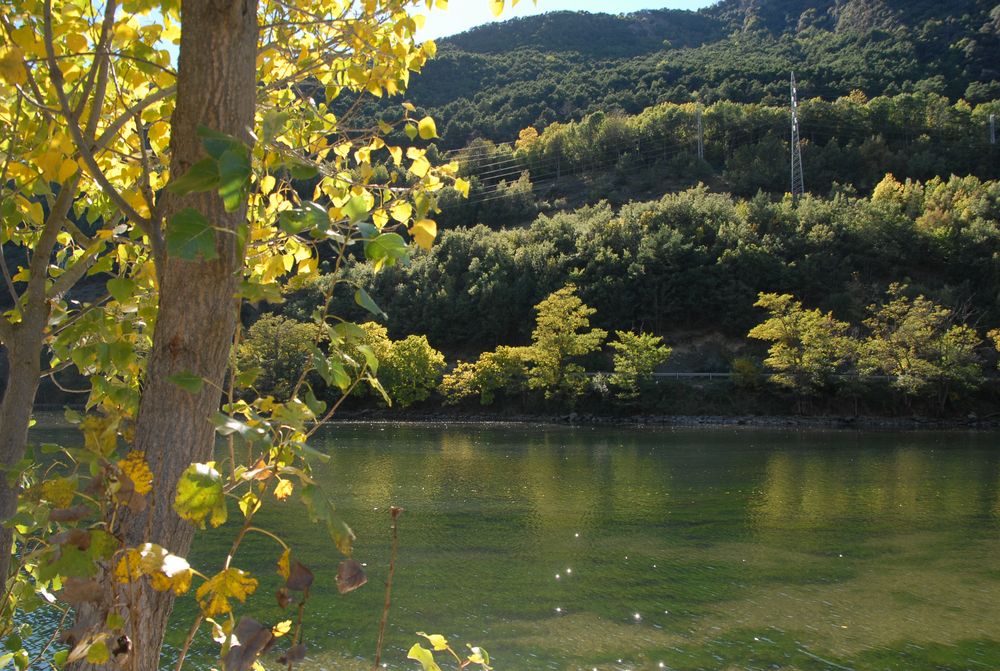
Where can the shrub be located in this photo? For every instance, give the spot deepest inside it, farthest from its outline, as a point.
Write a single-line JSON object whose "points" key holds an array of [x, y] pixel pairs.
{"points": [[411, 370], [279, 349], [503, 370], [636, 357]]}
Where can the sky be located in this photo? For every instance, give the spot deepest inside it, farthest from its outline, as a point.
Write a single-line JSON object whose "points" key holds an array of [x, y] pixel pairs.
{"points": [[464, 14]]}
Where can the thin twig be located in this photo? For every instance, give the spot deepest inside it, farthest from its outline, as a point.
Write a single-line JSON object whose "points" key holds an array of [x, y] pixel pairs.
{"points": [[52, 639], [188, 641], [394, 511]]}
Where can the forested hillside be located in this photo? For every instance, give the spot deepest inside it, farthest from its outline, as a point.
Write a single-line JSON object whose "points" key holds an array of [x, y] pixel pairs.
{"points": [[496, 80], [695, 262]]}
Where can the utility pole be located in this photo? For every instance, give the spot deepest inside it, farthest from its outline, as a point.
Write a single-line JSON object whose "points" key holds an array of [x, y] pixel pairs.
{"points": [[701, 137], [993, 129], [798, 181]]}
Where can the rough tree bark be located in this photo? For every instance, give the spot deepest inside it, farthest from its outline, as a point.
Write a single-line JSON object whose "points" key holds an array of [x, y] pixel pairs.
{"points": [[216, 88], [24, 342]]}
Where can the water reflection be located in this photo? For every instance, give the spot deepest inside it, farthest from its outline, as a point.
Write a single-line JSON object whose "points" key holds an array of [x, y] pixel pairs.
{"points": [[911, 486], [738, 550]]}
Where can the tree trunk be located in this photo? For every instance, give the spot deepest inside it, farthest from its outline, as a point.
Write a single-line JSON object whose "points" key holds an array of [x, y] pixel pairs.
{"points": [[216, 88], [24, 368]]}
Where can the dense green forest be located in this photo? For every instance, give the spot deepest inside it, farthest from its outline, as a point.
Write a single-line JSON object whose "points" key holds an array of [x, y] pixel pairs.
{"points": [[847, 144], [695, 261], [495, 80], [887, 303]]}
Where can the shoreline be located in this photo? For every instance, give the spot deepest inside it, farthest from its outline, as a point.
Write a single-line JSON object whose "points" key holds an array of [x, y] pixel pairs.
{"points": [[793, 422], [790, 422]]}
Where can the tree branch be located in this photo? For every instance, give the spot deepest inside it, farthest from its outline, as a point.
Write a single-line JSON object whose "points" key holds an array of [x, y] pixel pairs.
{"points": [[6, 331], [7, 278], [148, 226], [116, 125], [38, 266], [102, 48], [74, 274]]}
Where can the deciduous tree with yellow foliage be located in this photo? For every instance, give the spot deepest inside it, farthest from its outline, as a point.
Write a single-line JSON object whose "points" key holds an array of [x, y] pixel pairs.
{"points": [[187, 159]]}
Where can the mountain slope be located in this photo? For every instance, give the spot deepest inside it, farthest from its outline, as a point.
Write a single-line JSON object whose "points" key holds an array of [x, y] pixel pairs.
{"points": [[495, 80]]}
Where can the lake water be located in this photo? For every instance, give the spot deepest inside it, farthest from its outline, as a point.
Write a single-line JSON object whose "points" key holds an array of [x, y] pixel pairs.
{"points": [[614, 548]]}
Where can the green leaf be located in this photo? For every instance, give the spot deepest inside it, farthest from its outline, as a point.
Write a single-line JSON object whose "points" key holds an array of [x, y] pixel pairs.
{"points": [[226, 425], [411, 131], [273, 125], [255, 291], [302, 171], [98, 653], [362, 298], [322, 510], [310, 215], [217, 143], [370, 357], [356, 209], [188, 381], [202, 176], [189, 235], [427, 129], [121, 289], [386, 250], [200, 495], [234, 177], [424, 656]]}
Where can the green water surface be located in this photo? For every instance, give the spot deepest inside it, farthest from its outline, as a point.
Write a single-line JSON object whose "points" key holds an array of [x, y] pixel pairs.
{"points": [[613, 548]]}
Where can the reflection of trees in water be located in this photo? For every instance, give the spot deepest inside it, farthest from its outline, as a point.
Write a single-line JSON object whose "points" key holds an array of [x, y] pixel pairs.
{"points": [[916, 486]]}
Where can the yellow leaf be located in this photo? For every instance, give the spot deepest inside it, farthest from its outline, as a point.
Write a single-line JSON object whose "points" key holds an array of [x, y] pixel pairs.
{"points": [[281, 628], [462, 186], [67, 169], [401, 211], [59, 491], [129, 567], [284, 489], [12, 65], [284, 564], [267, 183], [166, 571], [231, 583], [496, 6], [171, 33], [76, 42], [424, 232], [380, 218], [427, 128], [397, 155], [135, 467], [437, 641], [50, 163], [420, 166]]}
